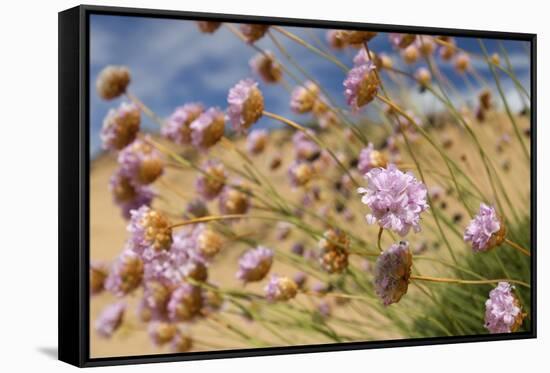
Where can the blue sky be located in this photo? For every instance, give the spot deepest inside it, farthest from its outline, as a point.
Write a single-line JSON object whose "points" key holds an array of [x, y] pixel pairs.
{"points": [[172, 63]]}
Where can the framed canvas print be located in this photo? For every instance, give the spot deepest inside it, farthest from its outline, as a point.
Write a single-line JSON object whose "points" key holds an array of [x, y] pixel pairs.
{"points": [[233, 186]]}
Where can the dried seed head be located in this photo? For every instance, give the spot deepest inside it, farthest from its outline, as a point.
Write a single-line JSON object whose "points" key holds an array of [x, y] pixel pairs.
{"points": [[265, 65], [423, 76], [208, 128], [253, 32], [300, 173], [410, 54], [334, 40], [351, 37], [98, 275], [181, 342], [120, 126], [112, 82], [303, 98], [161, 332], [212, 179], [126, 274], [185, 302], [281, 289], [255, 264], [141, 162], [462, 63], [392, 273], [334, 253], [246, 105], [208, 27], [233, 201], [361, 85], [209, 243], [402, 41]]}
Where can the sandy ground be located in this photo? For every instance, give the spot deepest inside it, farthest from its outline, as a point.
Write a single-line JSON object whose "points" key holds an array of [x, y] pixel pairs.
{"points": [[108, 233]]}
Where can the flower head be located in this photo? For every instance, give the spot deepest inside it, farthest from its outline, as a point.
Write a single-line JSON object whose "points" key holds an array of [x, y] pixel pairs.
{"points": [[129, 195], [486, 230], [183, 260], [396, 199], [208, 27], [334, 40], [120, 126], [161, 332], [370, 158], [485, 99], [181, 342], [110, 319], [246, 104], [211, 181], [503, 310], [233, 201], [256, 141], [361, 85], [303, 97], [150, 232], [112, 82], [208, 243], [392, 273], [300, 173], [280, 288], [402, 41], [447, 51], [425, 45], [98, 274], [254, 264], [265, 65], [208, 128], [334, 251], [126, 273], [196, 208], [253, 32], [410, 54], [354, 37], [141, 162], [305, 149], [185, 302], [423, 76], [462, 63], [177, 127]]}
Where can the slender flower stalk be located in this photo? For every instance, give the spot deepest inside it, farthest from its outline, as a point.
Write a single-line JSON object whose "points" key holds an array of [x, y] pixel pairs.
{"points": [[468, 282], [518, 247]]}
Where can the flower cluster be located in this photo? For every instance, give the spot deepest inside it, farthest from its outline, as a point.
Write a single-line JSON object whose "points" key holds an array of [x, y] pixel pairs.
{"points": [[396, 199], [502, 310], [178, 125], [486, 230], [246, 104], [255, 264], [361, 85]]}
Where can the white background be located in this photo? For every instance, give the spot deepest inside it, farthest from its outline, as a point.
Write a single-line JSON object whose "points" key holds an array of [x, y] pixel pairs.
{"points": [[28, 182]]}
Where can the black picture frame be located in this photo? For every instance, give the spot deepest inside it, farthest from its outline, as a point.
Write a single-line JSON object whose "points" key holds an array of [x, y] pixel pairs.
{"points": [[74, 166]]}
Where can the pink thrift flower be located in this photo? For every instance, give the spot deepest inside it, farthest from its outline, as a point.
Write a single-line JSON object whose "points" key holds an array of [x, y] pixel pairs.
{"points": [[396, 199]]}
